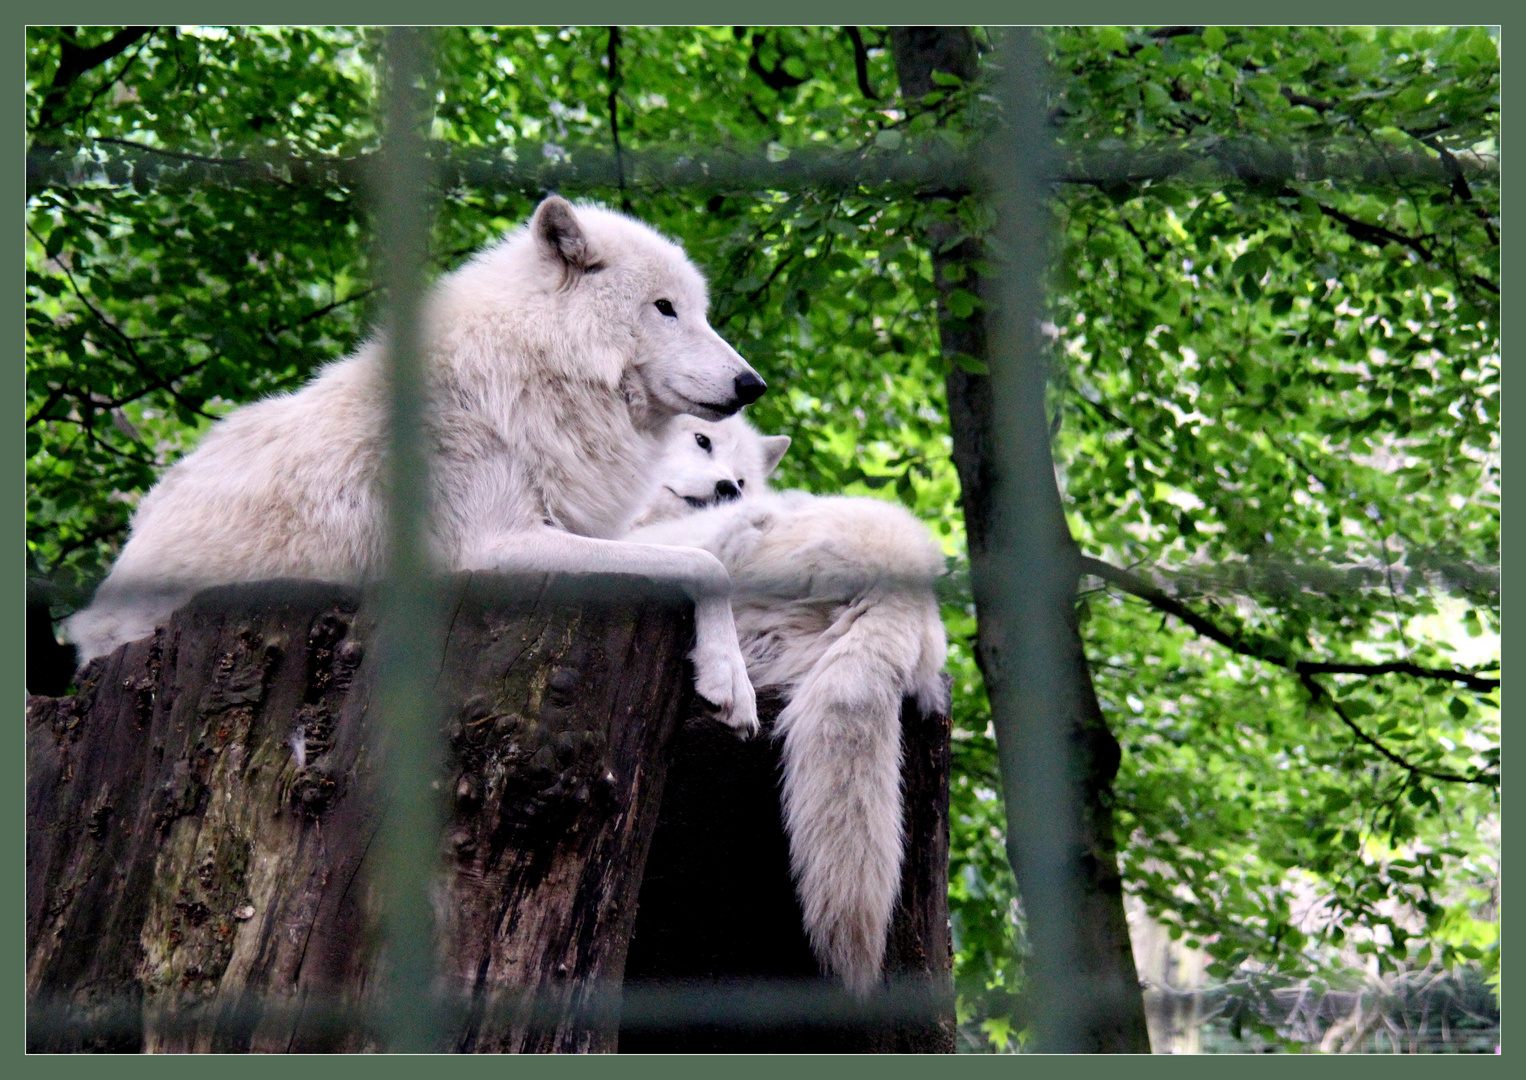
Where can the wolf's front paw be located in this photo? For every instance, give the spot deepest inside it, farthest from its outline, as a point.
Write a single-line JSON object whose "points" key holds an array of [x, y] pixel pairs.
{"points": [[722, 681]]}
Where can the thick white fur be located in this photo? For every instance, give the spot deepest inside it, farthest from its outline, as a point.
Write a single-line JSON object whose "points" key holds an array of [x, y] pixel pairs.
{"points": [[554, 378], [835, 605]]}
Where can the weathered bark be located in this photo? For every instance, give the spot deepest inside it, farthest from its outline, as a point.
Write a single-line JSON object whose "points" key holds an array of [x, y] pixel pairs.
{"points": [[1118, 1023], [195, 881], [718, 907]]}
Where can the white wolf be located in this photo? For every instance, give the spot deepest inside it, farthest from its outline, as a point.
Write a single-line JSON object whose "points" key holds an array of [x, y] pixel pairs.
{"points": [[557, 360], [835, 605]]}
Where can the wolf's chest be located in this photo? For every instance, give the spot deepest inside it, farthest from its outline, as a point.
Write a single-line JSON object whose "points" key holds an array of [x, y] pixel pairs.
{"points": [[590, 482]]}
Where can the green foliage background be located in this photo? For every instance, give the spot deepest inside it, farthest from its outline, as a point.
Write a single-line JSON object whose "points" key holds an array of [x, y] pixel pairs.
{"points": [[1255, 382]]}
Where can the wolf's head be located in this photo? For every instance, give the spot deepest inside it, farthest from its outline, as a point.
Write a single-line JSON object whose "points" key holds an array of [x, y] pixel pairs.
{"points": [[706, 463], [627, 294]]}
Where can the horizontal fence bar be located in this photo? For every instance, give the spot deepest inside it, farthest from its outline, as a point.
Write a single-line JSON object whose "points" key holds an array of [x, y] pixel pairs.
{"points": [[742, 1006], [927, 167], [1248, 577], [730, 1004]]}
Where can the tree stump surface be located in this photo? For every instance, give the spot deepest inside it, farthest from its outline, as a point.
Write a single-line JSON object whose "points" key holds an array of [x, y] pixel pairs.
{"points": [[197, 882]]}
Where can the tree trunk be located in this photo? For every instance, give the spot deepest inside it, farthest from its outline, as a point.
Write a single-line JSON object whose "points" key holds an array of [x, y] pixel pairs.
{"points": [[199, 817], [1107, 963], [718, 911]]}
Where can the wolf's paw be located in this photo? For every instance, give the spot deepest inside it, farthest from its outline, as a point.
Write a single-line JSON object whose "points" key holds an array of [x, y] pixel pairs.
{"points": [[723, 684]]}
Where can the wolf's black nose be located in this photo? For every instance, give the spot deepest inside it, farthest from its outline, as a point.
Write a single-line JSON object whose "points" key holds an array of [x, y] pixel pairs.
{"points": [[725, 491], [749, 387]]}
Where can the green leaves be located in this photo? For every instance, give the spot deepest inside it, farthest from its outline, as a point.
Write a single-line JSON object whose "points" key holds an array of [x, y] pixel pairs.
{"points": [[1257, 378]]}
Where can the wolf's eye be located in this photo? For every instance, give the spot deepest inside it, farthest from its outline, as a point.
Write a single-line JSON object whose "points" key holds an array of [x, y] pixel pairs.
{"points": [[741, 481], [703, 440], [666, 307]]}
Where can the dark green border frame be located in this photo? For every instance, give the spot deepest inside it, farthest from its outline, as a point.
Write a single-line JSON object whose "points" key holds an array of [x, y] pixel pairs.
{"points": [[674, 12]]}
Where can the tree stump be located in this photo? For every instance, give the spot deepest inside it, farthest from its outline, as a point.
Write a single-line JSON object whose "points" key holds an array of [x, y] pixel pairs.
{"points": [[200, 812]]}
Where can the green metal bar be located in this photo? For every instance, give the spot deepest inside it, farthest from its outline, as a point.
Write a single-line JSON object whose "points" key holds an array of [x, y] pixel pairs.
{"points": [[1025, 585], [411, 629], [919, 166]]}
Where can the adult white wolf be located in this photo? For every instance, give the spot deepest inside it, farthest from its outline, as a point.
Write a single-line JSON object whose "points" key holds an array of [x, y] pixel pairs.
{"points": [[557, 360], [835, 606]]}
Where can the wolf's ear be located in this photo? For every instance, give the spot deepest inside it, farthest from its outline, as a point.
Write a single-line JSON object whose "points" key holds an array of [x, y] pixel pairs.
{"points": [[773, 450], [559, 235]]}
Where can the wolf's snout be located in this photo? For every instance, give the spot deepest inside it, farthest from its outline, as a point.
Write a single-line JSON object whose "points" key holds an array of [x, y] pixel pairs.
{"points": [[726, 491], [749, 387]]}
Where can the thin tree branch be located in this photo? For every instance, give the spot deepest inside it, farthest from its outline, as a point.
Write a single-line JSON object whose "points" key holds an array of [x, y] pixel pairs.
{"points": [[54, 397], [318, 313], [74, 61], [1480, 683], [1144, 248], [1267, 651], [775, 78], [1379, 236], [1376, 234], [85, 109], [1319, 694], [861, 63], [88, 430], [142, 366], [232, 163], [1317, 104], [1460, 189], [615, 82], [103, 532]]}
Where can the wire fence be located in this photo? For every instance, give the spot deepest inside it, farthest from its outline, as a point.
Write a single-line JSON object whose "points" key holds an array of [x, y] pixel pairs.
{"points": [[1028, 613]]}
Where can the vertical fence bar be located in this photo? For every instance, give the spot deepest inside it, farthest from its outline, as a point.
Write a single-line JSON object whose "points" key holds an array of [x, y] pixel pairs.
{"points": [[410, 630], [1025, 587]]}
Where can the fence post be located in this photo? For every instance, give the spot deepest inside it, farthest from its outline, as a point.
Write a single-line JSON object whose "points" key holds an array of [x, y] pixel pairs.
{"points": [[1057, 755], [411, 630]]}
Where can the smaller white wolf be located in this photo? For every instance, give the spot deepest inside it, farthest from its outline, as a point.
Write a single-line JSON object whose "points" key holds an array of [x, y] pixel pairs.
{"points": [[835, 607]]}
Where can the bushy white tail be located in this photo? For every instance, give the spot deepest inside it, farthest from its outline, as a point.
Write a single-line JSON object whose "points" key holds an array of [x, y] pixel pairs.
{"points": [[842, 776]]}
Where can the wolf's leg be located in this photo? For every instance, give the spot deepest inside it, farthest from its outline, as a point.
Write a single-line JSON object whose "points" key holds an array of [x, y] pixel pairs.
{"points": [[720, 673]]}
